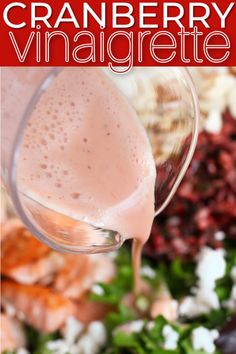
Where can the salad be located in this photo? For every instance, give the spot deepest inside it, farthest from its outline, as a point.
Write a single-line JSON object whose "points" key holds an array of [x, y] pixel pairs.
{"points": [[174, 314]]}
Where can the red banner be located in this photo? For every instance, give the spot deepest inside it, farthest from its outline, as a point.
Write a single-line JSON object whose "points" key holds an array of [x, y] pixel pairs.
{"points": [[118, 34]]}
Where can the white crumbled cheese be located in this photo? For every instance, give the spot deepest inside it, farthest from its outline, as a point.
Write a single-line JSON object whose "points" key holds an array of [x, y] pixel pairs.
{"points": [[233, 274], [97, 331], [219, 235], [213, 123], [216, 91], [131, 327], [97, 289], [233, 293], [22, 351], [58, 346], [77, 341], [217, 95], [87, 345], [148, 272], [231, 302], [73, 329], [203, 301], [190, 308], [150, 325], [74, 350], [171, 337], [203, 339], [233, 298], [211, 266], [208, 297]]}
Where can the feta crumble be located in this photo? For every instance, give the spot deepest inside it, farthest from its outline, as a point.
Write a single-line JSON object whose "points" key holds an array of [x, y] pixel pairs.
{"points": [[73, 329], [131, 327], [203, 339], [211, 267], [78, 341], [219, 235], [201, 303], [148, 272], [97, 331], [231, 302], [171, 337], [97, 290], [22, 351], [216, 91], [214, 123], [150, 325], [86, 345], [58, 346]]}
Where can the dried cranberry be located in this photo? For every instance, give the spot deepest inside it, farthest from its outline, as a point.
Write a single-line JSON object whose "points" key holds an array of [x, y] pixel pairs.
{"points": [[204, 203]]}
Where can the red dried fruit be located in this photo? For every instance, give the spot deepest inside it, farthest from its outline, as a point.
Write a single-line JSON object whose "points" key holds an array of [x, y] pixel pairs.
{"points": [[204, 203]]}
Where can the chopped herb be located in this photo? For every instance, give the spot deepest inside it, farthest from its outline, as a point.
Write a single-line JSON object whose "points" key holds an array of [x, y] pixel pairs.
{"points": [[37, 343]]}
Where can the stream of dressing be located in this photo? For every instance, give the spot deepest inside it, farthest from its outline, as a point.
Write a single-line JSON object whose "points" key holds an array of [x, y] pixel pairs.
{"points": [[86, 154]]}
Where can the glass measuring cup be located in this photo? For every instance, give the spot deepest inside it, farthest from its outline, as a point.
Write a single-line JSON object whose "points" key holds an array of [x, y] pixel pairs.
{"points": [[166, 103]]}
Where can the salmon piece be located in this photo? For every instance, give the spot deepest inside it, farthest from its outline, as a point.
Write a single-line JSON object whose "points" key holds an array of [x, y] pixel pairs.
{"points": [[9, 227], [81, 272], [166, 307], [103, 268], [12, 335], [75, 266], [24, 258], [40, 307], [88, 311]]}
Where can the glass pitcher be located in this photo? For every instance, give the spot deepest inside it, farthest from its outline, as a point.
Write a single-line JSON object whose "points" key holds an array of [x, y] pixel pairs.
{"points": [[166, 103]]}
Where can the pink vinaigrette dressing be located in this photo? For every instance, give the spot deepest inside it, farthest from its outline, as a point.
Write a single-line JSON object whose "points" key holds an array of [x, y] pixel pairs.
{"points": [[86, 154]]}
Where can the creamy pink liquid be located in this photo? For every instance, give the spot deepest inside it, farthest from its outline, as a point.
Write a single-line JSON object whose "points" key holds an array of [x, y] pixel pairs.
{"points": [[86, 156]]}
